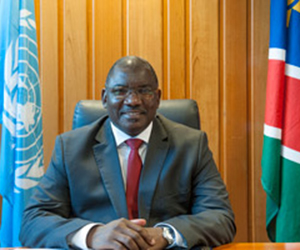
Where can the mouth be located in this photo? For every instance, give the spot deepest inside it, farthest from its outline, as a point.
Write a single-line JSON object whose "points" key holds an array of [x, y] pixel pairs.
{"points": [[132, 114]]}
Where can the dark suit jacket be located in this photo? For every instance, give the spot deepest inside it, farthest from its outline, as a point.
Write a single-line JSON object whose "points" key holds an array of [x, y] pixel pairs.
{"points": [[179, 185]]}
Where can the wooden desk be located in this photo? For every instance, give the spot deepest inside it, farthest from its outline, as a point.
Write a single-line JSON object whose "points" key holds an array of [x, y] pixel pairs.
{"points": [[232, 246], [260, 246]]}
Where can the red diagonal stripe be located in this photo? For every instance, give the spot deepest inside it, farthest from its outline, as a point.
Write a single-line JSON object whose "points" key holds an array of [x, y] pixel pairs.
{"points": [[291, 123], [275, 93]]}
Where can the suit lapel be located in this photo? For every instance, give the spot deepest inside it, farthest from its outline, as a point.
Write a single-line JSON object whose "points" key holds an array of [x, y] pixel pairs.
{"points": [[156, 155], [107, 159]]}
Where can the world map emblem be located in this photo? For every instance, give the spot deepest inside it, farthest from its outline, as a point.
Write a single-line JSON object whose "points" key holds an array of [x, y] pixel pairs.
{"points": [[22, 115]]}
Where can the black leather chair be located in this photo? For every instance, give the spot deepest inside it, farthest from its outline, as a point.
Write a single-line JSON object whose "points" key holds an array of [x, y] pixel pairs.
{"points": [[184, 111]]}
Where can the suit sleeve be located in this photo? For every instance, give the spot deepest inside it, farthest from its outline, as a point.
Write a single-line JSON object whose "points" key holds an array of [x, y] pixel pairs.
{"points": [[211, 221], [47, 219]]}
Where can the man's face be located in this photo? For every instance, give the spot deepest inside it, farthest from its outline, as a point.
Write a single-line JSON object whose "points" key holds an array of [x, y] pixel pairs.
{"points": [[131, 98]]}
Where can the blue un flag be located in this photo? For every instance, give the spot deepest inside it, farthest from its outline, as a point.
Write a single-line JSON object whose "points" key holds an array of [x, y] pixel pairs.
{"points": [[21, 160]]}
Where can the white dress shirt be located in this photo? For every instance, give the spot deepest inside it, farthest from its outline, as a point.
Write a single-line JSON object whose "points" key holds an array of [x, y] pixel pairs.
{"points": [[124, 149], [78, 239]]}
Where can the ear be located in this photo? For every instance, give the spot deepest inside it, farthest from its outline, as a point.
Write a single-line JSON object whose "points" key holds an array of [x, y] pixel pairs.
{"points": [[158, 96], [104, 97]]}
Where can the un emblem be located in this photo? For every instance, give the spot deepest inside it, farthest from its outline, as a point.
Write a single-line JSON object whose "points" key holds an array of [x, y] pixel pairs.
{"points": [[22, 115]]}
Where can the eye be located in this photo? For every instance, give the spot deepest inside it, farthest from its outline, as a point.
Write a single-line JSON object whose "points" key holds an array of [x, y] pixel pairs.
{"points": [[119, 91], [145, 91]]}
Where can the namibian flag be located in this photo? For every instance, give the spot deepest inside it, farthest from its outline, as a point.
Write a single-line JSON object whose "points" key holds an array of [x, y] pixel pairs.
{"points": [[281, 148]]}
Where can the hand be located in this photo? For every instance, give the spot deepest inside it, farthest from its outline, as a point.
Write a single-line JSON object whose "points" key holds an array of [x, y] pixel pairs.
{"points": [[121, 234], [160, 241]]}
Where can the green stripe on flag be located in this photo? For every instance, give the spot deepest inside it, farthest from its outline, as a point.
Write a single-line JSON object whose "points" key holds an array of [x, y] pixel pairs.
{"points": [[281, 181], [271, 167], [287, 222], [271, 171]]}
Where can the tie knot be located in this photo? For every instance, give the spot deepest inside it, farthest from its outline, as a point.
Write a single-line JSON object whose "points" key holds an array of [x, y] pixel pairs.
{"points": [[134, 143]]}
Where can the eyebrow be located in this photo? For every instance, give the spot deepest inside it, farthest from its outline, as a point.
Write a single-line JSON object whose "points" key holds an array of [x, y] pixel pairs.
{"points": [[116, 85], [125, 85]]}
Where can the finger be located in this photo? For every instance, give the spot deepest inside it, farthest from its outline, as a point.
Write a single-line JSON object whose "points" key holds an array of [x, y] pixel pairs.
{"points": [[142, 232], [128, 242], [140, 222], [115, 246], [108, 245]]}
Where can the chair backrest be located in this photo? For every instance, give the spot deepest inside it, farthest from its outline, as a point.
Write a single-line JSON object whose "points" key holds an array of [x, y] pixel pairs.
{"points": [[184, 111]]}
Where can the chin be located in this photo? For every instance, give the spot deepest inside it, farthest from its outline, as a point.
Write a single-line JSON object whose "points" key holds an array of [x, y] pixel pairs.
{"points": [[133, 127], [133, 130]]}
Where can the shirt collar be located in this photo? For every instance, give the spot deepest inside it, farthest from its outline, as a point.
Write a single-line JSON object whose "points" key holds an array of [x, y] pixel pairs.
{"points": [[121, 137]]}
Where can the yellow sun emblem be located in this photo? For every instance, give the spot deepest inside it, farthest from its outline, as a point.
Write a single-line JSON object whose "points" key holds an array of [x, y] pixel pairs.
{"points": [[292, 5]]}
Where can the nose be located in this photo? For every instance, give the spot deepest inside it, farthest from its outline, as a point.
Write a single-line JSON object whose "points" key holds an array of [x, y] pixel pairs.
{"points": [[132, 98]]}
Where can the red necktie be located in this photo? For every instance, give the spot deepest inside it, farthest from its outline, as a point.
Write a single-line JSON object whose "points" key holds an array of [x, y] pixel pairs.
{"points": [[133, 177]]}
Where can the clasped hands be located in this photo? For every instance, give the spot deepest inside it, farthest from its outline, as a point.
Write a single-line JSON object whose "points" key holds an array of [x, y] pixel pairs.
{"points": [[126, 234]]}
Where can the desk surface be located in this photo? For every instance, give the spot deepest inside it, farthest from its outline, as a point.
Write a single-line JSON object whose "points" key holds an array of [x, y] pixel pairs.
{"points": [[232, 246], [260, 246]]}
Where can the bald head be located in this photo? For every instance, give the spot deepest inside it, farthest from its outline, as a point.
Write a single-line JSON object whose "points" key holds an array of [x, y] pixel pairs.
{"points": [[131, 65], [131, 95]]}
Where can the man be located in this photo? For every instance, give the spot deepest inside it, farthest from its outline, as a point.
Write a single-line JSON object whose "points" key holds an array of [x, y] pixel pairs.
{"points": [[87, 198]]}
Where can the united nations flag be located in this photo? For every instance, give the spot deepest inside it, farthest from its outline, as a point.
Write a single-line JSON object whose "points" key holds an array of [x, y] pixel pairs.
{"points": [[21, 163]]}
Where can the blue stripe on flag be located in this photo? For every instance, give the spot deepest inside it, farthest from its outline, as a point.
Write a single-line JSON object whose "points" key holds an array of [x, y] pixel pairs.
{"points": [[278, 24], [293, 44]]}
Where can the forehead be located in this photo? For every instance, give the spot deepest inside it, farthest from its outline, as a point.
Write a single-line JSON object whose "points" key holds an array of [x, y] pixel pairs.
{"points": [[132, 77]]}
